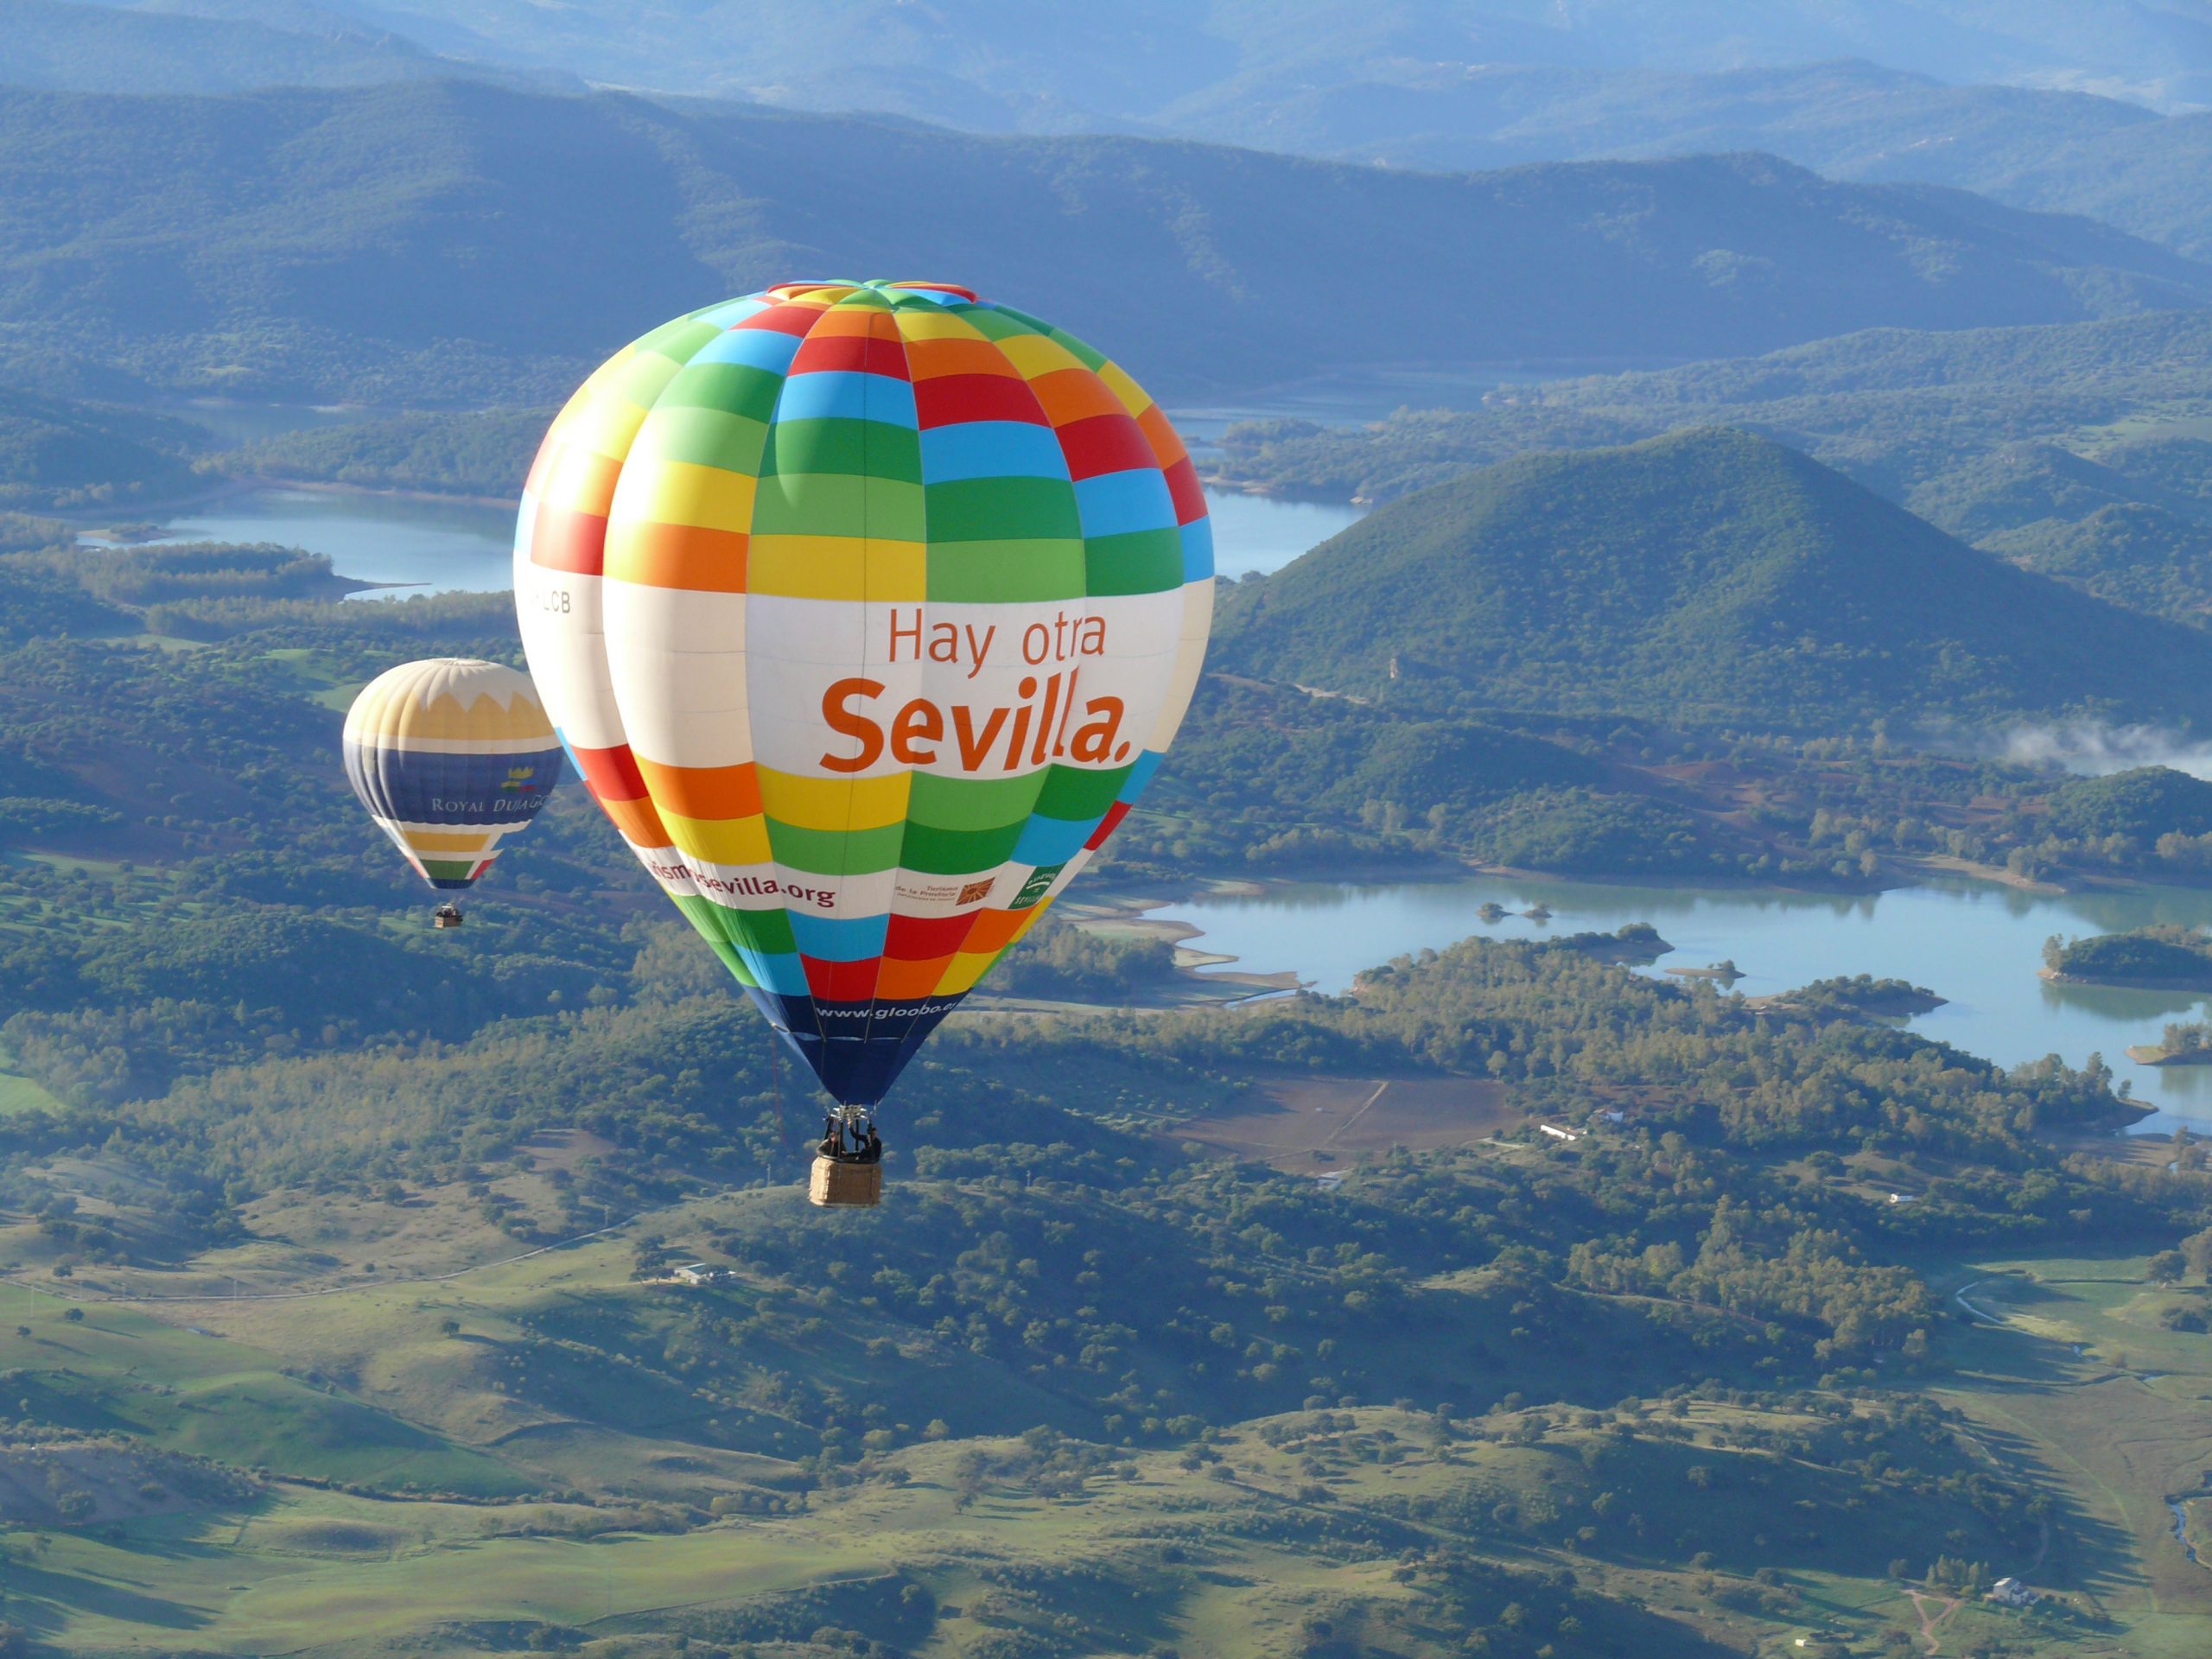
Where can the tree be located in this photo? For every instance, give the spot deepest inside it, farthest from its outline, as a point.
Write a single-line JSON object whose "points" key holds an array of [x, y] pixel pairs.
{"points": [[2197, 1250], [2166, 1267]]}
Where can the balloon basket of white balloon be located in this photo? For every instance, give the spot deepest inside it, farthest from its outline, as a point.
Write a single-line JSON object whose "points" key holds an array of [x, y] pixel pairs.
{"points": [[446, 916], [844, 1183]]}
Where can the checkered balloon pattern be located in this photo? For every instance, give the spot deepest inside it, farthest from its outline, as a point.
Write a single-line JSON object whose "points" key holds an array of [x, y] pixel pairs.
{"points": [[865, 610]]}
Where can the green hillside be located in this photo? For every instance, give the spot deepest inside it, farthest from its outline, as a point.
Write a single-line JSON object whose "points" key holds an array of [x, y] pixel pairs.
{"points": [[2146, 802], [1901, 411], [1710, 576], [2075, 450], [55, 452], [445, 242]]}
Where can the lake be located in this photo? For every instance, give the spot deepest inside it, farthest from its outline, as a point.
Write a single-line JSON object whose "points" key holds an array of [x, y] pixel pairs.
{"points": [[1978, 943], [456, 546]]}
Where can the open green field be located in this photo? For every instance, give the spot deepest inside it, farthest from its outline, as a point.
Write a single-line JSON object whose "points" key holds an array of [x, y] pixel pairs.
{"points": [[447, 1463], [2066, 1371]]}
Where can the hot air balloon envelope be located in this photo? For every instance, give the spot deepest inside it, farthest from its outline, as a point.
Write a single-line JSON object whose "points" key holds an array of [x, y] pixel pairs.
{"points": [[866, 610], [451, 757]]}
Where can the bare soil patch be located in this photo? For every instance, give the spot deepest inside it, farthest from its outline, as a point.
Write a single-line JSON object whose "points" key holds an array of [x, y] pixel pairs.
{"points": [[1306, 1124]]}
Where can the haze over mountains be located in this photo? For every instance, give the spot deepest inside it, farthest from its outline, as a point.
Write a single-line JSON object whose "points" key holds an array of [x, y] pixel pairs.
{"points": [[1942, 92], [337, 244], [1159, 64]]}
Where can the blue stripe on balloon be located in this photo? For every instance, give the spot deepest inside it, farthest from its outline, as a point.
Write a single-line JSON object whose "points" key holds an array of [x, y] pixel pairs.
{"points": [[780, 971], [829, 939], [992, 449], [1051, 840], [475, 790], [843, 395], [759, 348], [1115, 504], [1198, 549], [1140, 774]]}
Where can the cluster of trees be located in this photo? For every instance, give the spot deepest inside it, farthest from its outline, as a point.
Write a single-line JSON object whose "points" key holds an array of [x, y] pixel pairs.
{"points": [[477, 452], [2163, 954]]}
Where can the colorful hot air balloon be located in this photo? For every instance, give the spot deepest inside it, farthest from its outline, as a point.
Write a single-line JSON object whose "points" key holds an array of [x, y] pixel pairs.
{"points": [[451, 757], [865, 611]]}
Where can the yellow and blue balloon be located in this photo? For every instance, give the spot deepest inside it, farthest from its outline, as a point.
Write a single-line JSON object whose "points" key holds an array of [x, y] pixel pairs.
{"points": [[451, 757]]}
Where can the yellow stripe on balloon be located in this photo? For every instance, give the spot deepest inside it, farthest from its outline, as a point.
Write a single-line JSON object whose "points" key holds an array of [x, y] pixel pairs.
{"points": [[447, 841], [685, 492], [963, 971], [1036, 354], [838, 566], [917, 323], [835, 803], [720, 841], [1134, 398], [608, 426]]}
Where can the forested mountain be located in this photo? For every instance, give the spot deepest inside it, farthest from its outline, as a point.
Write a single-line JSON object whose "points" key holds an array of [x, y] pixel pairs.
{"points": [[55, 452], [1000, 64], [1708, 575], [454, 241]]}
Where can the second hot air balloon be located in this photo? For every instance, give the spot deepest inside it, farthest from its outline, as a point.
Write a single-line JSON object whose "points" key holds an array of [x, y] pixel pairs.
{"points": [[866, 610], [451, 757]]}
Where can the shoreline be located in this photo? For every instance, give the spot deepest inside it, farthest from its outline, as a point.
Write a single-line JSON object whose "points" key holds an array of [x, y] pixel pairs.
{"points": [[2199, 986], [228, 484]]}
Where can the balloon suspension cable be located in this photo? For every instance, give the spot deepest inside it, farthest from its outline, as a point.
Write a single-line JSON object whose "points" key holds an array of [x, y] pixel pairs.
{"points": [[776, 1082]]}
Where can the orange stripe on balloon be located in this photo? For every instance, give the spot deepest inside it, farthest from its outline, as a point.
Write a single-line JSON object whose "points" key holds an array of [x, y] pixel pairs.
{"points": [[899, 981], [636, 821], [689, 557], [703, 791], [1159, 431], [995, 930], [929, 359], [1071, 394]]}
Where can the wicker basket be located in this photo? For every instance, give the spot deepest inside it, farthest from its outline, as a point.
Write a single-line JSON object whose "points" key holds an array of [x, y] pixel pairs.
{"points": [[445, 916], [836, 1183]]}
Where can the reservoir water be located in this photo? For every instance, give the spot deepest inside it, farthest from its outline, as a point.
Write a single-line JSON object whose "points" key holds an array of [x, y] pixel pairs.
{"points": [[1977, 943], [430, 547]]}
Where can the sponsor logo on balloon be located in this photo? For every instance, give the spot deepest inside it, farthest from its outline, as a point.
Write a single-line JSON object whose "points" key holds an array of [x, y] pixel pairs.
{"points": [[1039, 882], [745, 886], [924, 732]]}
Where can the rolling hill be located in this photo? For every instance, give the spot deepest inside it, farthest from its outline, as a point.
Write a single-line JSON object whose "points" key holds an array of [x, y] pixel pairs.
{"points": [[55, 452], [1707, 576], [453, 241]]}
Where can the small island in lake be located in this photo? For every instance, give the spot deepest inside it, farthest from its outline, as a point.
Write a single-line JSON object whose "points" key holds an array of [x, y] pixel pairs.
{"points": [[1724, 972], [1632, 943], [2187, 1044], [1857, 996], [2162, 958]]}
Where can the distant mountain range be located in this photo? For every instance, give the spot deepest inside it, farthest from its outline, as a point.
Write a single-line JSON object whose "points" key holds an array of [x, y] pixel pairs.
{"points": [[1159, 65], [69, 46], [452, 241], [2045, 105], [1708, 576]]}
